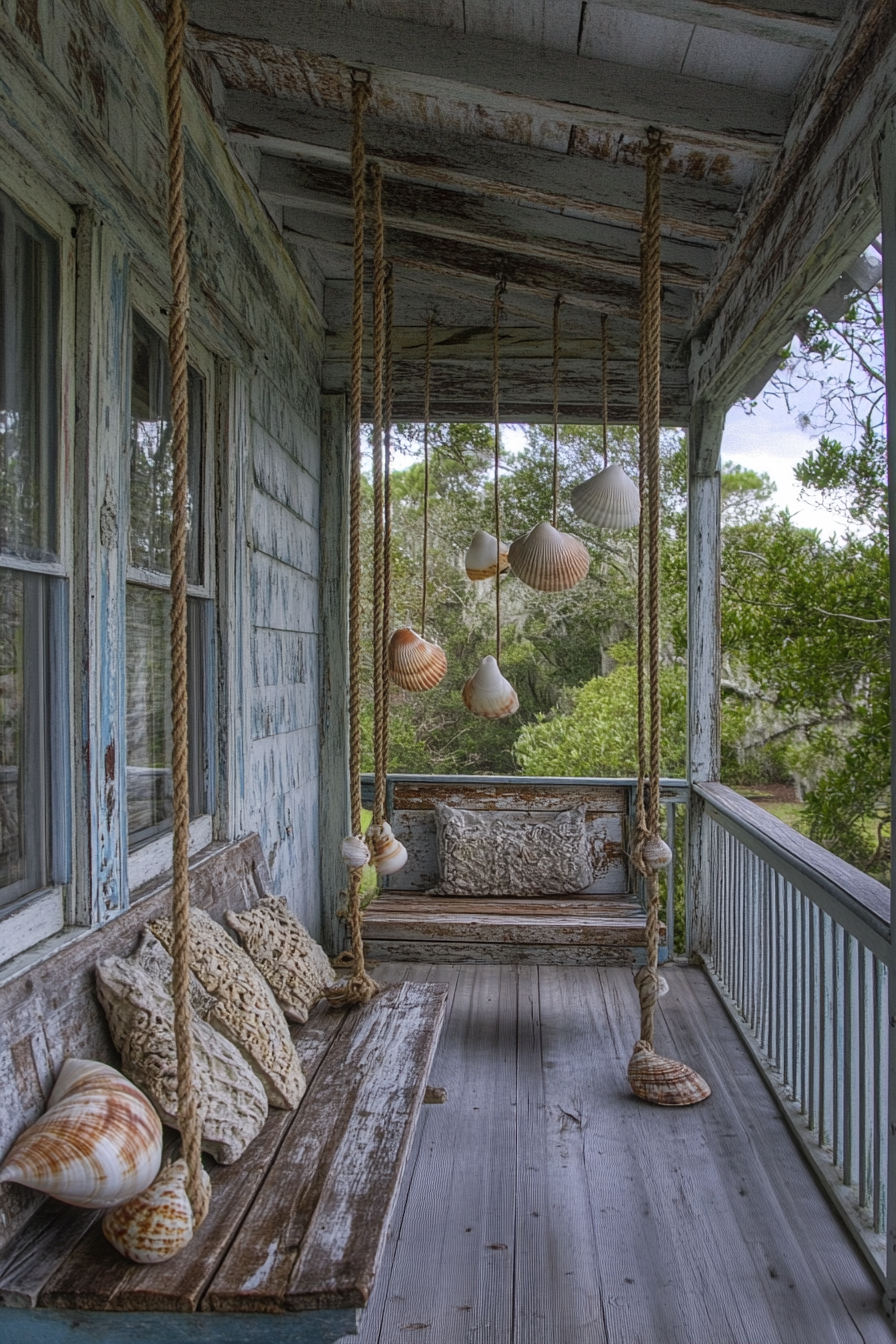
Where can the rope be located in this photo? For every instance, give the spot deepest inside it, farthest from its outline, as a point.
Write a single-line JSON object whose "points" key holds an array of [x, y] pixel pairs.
{"points": [[359, 988], [604, 363], [379, 616], [188, 1116], [387, 506], [556, 415], [496, 415], [649, 417], [427, 379]]}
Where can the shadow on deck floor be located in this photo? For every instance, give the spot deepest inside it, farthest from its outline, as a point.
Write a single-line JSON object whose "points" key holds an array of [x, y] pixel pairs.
{"points": [[543, 1204]]}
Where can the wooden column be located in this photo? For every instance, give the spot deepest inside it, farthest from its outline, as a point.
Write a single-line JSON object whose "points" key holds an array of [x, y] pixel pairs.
{"points": [[335, 809], [704, 646], [888, 211]]}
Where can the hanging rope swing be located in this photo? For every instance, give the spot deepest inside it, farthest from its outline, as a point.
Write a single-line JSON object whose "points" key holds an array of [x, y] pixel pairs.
{"points": [[665, 1082], [487, 693], [414, 663], [610, 499], [544, 558]]}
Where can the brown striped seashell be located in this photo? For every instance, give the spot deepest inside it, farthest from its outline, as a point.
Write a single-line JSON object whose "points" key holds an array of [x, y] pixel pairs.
{"points": [[609, 499], [549, 560], [656, 852], [489, 694], [387, 855], [156, 1224], [664, 1082], [480, 560], [414, 663], [355, 851], [98, 1142]]}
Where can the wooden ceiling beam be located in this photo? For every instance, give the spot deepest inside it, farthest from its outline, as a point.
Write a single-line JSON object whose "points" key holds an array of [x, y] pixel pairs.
{"points": [[602, 189], [463, 344], [413, 58], [798, 23], [452, 216]]}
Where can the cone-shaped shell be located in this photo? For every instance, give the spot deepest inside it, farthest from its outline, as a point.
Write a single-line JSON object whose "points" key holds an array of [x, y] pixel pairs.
{"points": [[414, 663], [387, 855], [156, 1224], [98, 1142], [480, 560], [549, 560], [664, 1082], [488, 693], [656, 852], [609, 499], [355, 851]]}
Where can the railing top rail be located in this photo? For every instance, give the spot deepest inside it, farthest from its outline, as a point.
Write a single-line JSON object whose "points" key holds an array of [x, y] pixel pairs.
{"points": [[811, 867], [678, 785]]}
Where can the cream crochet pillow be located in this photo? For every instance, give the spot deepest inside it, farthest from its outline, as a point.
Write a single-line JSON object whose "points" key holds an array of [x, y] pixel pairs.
{"points": [[135, 993], [244, 1009], [297, 968], [493, 854]]}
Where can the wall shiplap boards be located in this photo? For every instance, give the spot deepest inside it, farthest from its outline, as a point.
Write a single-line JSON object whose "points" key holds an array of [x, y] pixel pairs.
{"points": [[82, 111]]}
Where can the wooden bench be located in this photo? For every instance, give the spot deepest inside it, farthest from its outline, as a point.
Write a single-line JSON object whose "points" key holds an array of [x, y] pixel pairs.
{"points": [[290, 1246], [604, 925]]}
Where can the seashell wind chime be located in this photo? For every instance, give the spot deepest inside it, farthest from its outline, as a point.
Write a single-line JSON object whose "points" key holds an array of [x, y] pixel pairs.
{"points": [[610, 499]]}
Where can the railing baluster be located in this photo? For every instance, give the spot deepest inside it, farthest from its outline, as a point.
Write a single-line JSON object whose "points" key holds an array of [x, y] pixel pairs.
{"points": [[849, 1096], [864, 1036], [670, 881], [879, 1020]]}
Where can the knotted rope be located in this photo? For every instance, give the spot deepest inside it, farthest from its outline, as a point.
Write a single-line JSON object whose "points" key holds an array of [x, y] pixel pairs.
{"points": [[380, 632], [555, 383], [188, 1117], [496, 416], [359, 988], [604, 380], [387, 513], [427, 379]]}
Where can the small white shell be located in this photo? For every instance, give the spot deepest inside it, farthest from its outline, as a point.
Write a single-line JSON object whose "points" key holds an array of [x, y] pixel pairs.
{"points": [[480, 560], [157, 1223], [98, 1142], [549, 560], [489, 694], [656, 852], [414, 663], [665, 1082], [387, 855], [609, 499], [355, 851]]}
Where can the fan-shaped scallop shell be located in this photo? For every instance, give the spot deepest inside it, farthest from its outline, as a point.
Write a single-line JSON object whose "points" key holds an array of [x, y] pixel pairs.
{"points": [[480, 560], [157, 1223], [549, 560], [98, 1142], [609, 499], [387, 855], [489, 694], [355, 851], [656, 852], [414, 663], [665, 1082]]}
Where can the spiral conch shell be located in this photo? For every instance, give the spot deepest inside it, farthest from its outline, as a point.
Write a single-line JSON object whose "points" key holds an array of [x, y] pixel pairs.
{"points": [[665, 1082], [549, 560], [355, 851], [387, 855], [481, 559], [156, 1224], [488, 693], [414, 663], [609, 499], [656, 852], [98, 1142]]}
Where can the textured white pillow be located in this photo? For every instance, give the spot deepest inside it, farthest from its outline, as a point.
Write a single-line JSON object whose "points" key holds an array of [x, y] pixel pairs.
{"points": [[493, 854], [297, 968]]}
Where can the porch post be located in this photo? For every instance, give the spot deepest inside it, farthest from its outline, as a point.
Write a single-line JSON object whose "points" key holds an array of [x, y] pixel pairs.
{"points": [[334, 801], [888, 211], [704, 649]]}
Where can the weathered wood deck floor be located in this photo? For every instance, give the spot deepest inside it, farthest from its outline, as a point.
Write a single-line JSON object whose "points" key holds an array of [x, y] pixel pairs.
{"points": [[543, 1204]]}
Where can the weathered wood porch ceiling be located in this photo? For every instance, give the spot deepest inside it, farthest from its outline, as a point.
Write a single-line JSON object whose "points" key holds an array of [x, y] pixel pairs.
{"points": [[510, 133]]}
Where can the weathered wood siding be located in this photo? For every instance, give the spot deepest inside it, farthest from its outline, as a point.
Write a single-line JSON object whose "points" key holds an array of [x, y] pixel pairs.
{"points": [[82, 112]]}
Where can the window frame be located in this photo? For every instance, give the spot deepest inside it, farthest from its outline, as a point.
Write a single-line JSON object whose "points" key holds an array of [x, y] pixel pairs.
{"points": [[46, 909], [153, 858]]}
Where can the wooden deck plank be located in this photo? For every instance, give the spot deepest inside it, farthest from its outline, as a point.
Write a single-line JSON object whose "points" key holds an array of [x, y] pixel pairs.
{"points": [[502, 954]]}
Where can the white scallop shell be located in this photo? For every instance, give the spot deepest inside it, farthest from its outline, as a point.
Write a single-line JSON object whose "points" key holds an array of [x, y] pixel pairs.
{"points": [[98, 1142], [609, 499], [488, 693], [157, 1223], [355, 851], [414, 663], [480, 560], [387, 855], [656, 852], [549, 560]]}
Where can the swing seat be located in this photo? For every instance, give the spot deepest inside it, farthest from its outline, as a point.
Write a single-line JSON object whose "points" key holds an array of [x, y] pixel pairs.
{"points": [[604, 925], [290, 1247]]}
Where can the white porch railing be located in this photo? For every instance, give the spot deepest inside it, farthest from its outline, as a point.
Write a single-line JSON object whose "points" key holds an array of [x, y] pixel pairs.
{"points": [[797, 944]]}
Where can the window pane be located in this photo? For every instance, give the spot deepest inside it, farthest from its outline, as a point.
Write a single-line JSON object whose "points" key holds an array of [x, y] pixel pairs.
{"points": [[29, 300], [151, 466], [23, 736]]}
